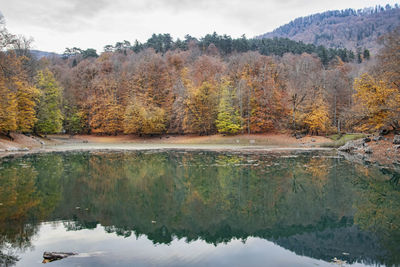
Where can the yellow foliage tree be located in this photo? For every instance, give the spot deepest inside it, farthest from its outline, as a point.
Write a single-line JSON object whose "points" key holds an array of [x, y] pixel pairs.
{"points": [[27, 97], [317, 119], [144, 120], [106, 116], [8, 109], [379, 104], [202, 109]]}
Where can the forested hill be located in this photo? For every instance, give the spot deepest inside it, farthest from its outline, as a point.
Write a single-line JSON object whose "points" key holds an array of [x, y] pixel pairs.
{"points": [[342, 28]]}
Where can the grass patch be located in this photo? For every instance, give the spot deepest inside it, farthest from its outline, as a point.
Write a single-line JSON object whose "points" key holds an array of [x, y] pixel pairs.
{"points": [[340, 140]]}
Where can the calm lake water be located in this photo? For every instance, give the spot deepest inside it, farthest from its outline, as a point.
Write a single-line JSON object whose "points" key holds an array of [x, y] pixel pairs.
{"points": [[197, 209]]}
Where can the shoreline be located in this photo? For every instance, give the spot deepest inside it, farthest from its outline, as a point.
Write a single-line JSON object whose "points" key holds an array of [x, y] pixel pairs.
{"points": [[23, 144], [256, 143], [161, 148]]}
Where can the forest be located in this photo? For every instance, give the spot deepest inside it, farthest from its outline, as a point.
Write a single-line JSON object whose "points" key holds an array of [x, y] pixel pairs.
{"points": [[347, 28], [213, 85]]}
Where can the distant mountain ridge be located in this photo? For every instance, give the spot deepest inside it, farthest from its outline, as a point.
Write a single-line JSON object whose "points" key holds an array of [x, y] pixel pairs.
{"points": [[347, 28], [38, 54]]}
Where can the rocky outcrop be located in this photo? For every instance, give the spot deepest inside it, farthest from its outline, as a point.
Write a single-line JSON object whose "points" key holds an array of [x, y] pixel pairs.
{"points": [[396, 140], [368, 150], [353, 146], [377, 138]]}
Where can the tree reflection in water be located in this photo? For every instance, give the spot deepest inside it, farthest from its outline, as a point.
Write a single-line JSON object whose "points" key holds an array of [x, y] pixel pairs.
{"points": [[312, 204]]}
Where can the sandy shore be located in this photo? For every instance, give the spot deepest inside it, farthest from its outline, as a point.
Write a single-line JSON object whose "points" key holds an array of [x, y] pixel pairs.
{"points": [[245, 143]]}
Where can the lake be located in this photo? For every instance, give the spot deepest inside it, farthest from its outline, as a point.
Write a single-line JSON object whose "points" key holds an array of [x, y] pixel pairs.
{"points": [[181, 208]]}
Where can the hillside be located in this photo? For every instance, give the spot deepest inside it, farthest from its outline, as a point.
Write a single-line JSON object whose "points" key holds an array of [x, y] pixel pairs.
{"points": [[341, 28]]}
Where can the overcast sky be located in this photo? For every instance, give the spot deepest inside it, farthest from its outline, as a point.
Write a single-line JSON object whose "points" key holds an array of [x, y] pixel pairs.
{"points": [[56, 24]]}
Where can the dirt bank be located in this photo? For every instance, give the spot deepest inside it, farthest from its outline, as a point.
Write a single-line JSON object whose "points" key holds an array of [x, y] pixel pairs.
{"points": [[22, 142]]}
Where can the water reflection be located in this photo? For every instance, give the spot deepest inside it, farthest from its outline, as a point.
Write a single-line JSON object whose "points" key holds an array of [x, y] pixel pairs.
{"points": [[313, 205]]}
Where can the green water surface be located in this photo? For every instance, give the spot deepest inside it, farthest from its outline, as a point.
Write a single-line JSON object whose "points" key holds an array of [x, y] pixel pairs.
{"points": [[180, 208]]}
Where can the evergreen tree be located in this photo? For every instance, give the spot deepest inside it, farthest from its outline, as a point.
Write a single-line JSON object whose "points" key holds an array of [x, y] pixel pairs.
{"points": [[366, 54]]}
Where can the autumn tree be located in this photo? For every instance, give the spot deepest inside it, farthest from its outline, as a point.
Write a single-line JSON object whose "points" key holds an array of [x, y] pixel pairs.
{"points": [[379, 104], [18, 95], [338, 82], [268, 106], [27, 97], [8, 109], [228, 119], [302, 76], [105, 110], [202, 109], [317, 118], [388, 65], [49, 109], [139, 119]]}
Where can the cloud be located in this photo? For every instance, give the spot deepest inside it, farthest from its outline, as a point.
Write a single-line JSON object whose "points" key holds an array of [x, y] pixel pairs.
{"points": [[56, 24]]}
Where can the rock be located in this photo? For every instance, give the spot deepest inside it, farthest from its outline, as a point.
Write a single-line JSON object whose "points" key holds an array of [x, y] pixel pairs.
{"points": [[299, 136], [383, 132], [368, 150], [377, 138], [396, 140], [24, 149], [367, 139], [351, 146], [12, 149], [396, 147]]}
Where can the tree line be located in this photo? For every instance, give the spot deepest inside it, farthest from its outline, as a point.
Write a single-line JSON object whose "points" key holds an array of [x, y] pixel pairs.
{"points": [[201, 89], [224, 44]]}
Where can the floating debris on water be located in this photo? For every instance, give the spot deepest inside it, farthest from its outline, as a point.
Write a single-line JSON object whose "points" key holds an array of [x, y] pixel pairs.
{"points": [[54, 256], [338, 262]]}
